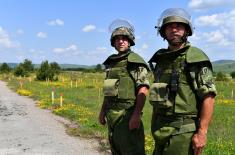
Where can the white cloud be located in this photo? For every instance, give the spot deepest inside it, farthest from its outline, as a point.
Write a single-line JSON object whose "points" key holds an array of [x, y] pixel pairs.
{"points": [[56, 22], [145, 46], [101, 49], [214, 37], [58, 50], [138, 37], [219, 27], [212, 20], [204, 4], [42, 35], [19, 31], [5, 40], [89, 28], [71, 48], [220, 19], [142, 50]]}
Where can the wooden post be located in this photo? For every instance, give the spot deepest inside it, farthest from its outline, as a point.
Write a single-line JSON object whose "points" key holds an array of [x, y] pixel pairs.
{"points": [[61, 100], [232, 94], [52, 96], [99, 93], [21, 84]]}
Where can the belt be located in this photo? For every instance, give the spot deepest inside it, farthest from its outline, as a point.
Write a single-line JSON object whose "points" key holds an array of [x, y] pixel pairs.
{"points": [[176, 121]]}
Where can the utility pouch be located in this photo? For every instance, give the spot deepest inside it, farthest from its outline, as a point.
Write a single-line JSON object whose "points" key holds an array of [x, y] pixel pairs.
{"points": [[114, 116], [126, 88], [185, 128], [163, 135], [159, 96], [110, 87]]}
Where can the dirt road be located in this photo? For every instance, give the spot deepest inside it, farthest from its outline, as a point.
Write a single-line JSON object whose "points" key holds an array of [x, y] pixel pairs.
{"points": [[28, 130]]}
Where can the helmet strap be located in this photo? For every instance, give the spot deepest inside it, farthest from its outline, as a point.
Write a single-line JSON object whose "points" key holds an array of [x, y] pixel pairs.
{"points": [[182, 40]]}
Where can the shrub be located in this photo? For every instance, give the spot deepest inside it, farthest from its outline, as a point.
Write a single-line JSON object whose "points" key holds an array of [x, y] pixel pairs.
{"points": [[4, 68], [48, 71]]}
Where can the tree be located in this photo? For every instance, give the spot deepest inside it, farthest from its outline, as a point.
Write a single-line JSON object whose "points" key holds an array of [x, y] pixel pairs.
{"points": [[221, 77], [55, 67], [27, 65], [4, 68], [233, 74], [48, 71], [24, 69], [19, 71], [98, 68], [43, 71]]}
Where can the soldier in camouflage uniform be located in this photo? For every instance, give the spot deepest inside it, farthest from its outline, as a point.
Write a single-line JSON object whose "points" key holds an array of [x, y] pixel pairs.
{"points": [[183, 91], [125, 88]]}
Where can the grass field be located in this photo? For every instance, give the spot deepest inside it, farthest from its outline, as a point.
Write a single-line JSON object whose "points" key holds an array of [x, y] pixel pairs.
{"points": [[82, 99]]}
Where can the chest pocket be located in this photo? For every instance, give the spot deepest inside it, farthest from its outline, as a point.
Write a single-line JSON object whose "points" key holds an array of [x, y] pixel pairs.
{"points": [[159, 96], [122, 88], [110, 87], [119, 83]]}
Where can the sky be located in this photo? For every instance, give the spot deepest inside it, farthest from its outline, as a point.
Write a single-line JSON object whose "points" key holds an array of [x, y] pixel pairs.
{"points": [[76, 32]]}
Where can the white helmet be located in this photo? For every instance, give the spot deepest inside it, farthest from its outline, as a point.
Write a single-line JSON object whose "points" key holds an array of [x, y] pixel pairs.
{"points": [[174, 15]]}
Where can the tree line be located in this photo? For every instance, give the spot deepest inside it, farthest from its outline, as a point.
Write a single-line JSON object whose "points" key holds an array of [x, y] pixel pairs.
{"points": [[51, 70], [46, 70]]}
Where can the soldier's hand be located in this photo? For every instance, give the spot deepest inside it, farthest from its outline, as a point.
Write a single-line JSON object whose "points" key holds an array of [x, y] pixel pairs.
{"points": [[102, 118], [134, 122], [198, 142]]}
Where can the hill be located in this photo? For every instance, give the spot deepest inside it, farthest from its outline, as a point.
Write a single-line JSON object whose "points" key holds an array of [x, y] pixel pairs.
{"points": [[226, 66], [63, 66]]}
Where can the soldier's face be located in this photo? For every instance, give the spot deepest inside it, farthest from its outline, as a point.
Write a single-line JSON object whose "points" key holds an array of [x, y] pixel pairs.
{"points": [[174, 32], [121, 43]]}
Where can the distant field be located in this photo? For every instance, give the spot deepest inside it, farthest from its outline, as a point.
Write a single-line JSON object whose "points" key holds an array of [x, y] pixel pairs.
{"points": [[82, 99]]}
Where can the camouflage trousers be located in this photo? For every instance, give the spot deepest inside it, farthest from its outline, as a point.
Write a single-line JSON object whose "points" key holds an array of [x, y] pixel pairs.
{"points": [[176, 145], [124, 141]]}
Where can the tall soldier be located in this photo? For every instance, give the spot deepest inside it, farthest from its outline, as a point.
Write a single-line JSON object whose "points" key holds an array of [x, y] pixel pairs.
{"points": [[125, 88], [183, 91]]}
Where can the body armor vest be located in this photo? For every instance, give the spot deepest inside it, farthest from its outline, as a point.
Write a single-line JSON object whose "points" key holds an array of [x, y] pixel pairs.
{"points": [[172, 92], [119, 85]]}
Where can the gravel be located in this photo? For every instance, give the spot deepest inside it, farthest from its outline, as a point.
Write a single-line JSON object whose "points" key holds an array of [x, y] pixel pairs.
{"points": [[28, 130]]}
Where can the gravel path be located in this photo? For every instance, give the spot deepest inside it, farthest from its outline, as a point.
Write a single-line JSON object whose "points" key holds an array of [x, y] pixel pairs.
{"points": [[28, 130]]}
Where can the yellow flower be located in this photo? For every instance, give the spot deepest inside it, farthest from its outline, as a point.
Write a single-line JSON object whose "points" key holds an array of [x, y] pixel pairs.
{"points": [[24, 92]]}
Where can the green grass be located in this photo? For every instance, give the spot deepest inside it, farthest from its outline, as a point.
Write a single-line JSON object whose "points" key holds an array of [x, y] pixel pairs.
{"points": [[82, 105]]}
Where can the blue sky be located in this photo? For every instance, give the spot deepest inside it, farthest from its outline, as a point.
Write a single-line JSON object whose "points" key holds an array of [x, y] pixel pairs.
{"points": [[76, 32]]}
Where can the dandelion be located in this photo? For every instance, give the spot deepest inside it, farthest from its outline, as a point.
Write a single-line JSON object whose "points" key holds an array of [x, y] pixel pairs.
{"points": [[24, 92]]}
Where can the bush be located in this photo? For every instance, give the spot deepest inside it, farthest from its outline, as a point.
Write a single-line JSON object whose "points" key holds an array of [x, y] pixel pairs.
{"points": [[221, 77], [233, 74], [48, 71], [4, 68], [20, 71], [24, 69]]}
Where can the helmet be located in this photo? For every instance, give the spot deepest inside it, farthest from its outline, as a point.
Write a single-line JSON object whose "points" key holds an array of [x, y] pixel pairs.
{"points": [[122, 27], [174, 15]]}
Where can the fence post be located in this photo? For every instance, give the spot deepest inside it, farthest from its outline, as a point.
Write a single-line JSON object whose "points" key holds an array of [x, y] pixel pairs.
{"points": [[61, 100], [232, 94], [52, 96]]}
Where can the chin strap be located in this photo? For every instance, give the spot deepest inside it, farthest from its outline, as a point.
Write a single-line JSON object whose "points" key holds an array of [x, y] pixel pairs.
{"points": [[183, 39]]}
